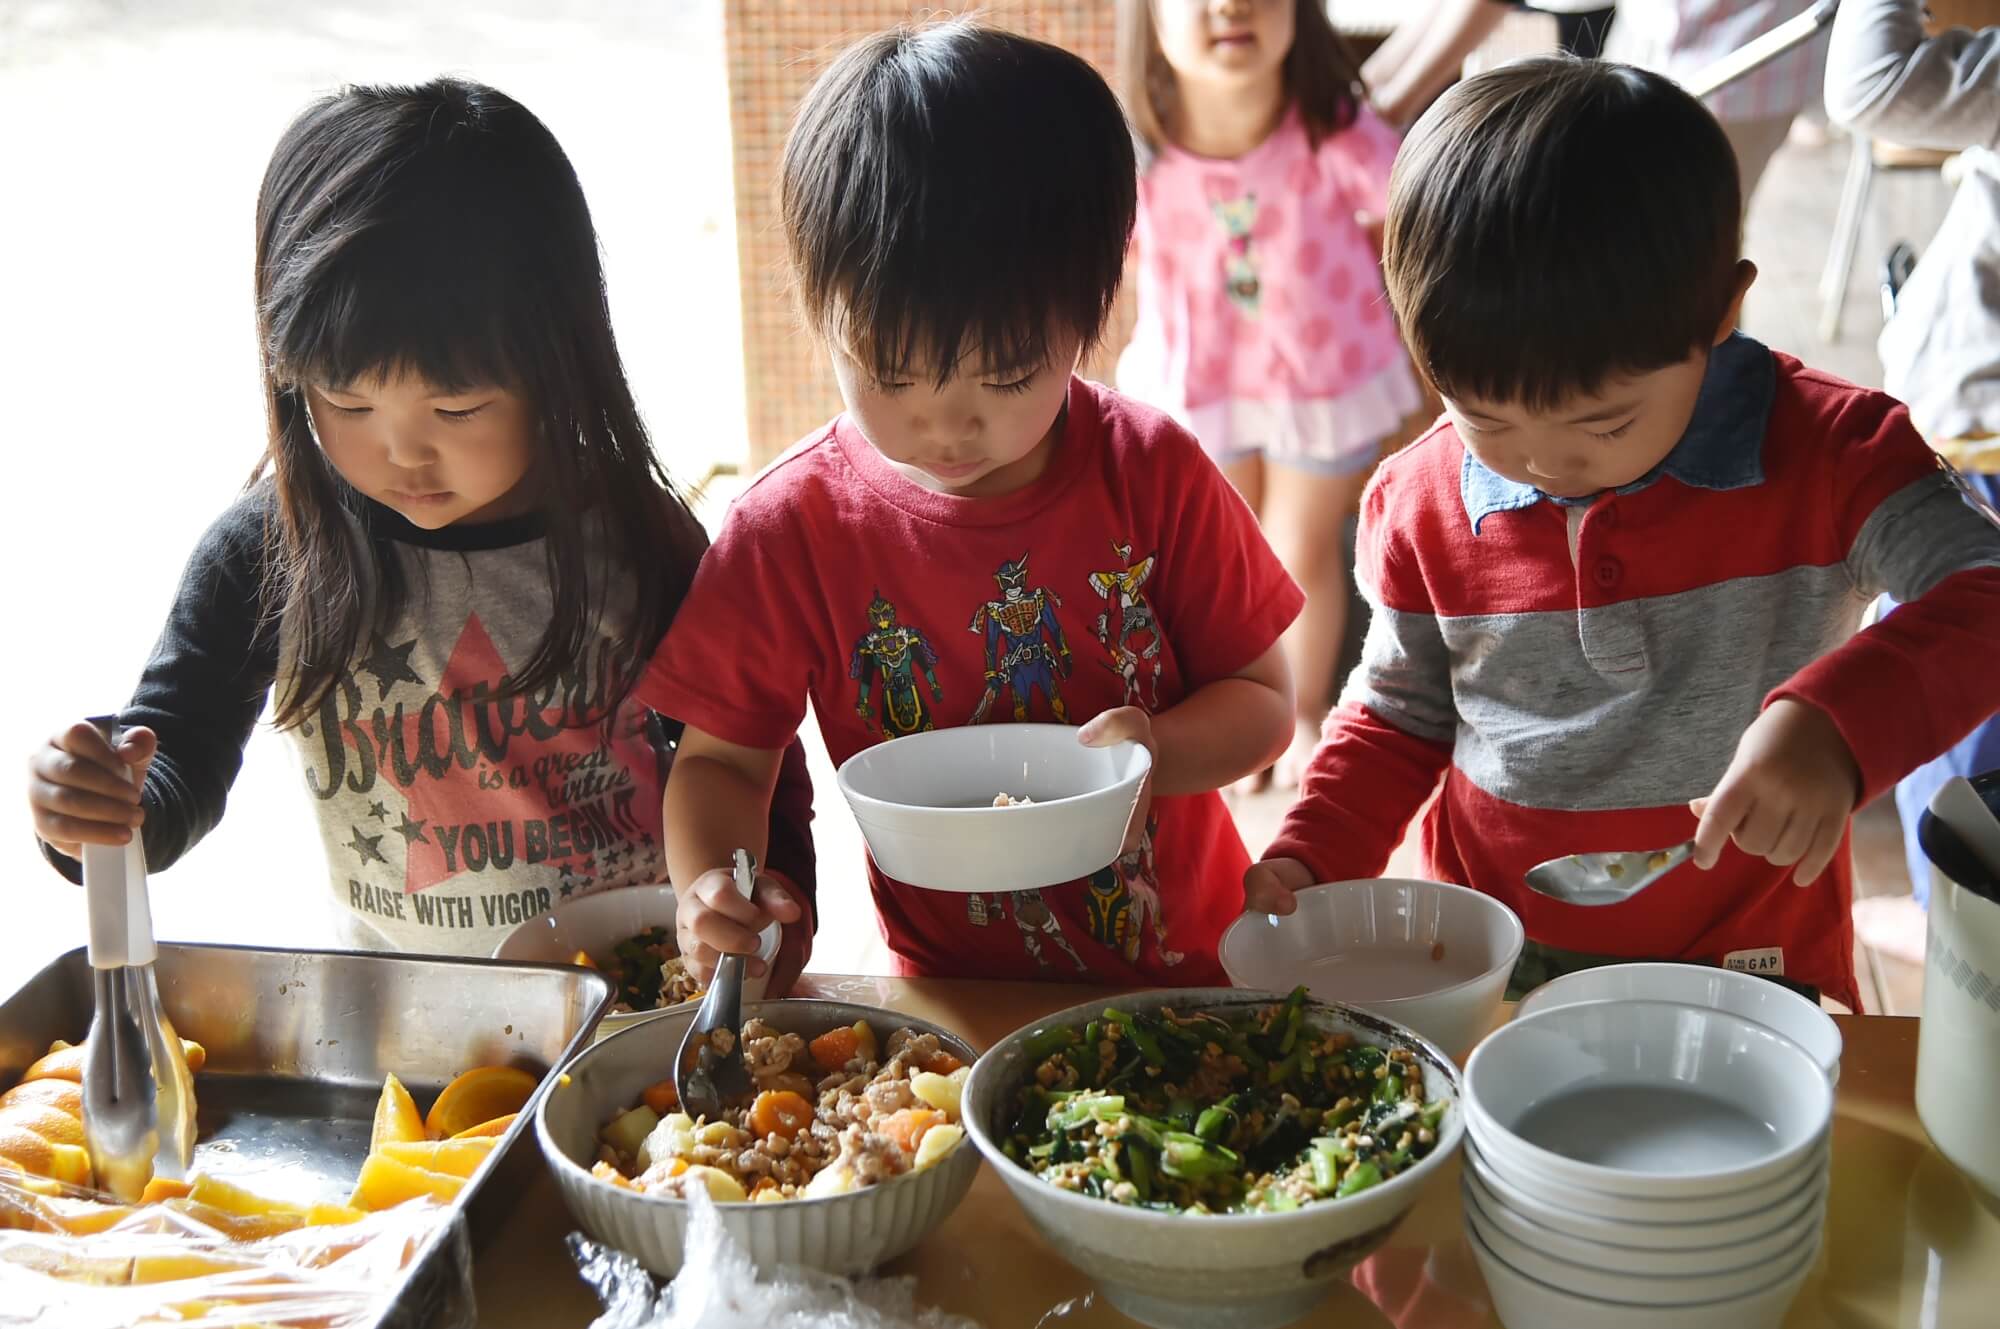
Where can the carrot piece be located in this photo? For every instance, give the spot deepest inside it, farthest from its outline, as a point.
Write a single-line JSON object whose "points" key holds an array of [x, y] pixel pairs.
{"points": [[780, 1112], [833, 1049], [943, 1063], [907, 1126], [662, 1097]]}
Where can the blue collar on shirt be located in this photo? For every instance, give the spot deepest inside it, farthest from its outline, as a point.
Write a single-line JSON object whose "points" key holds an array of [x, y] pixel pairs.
{"points": [[1723, 447]]}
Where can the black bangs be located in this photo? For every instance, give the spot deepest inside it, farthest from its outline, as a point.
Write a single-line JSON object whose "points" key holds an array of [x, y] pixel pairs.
{"points": [[1557, 223], [954, 199], [432, 263]]}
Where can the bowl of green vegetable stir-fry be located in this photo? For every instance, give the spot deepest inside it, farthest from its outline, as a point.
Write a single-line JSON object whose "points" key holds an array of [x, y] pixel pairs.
{"points": [[1215, 1157]]}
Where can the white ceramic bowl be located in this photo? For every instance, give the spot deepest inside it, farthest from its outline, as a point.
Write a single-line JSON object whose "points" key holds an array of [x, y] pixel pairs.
{"points": [[843, 1234], [925, 805], [1522, 1302], [1432, 957], [1548, 1208], [1642, 1289], [1225, 1271], [1629, 1261], [595, 924], [1645, 1099], [1754, 998]]}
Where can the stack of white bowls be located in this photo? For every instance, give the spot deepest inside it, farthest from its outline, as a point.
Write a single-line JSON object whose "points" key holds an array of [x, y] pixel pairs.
{"points": [[1645, 1164]]}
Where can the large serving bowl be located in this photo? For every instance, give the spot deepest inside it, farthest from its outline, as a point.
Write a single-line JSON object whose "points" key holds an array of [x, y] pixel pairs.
{"points": [[1747, 995], [925, 805], [1235, 1271], [596, 923], [1656, 1102], [843, 1234], [1431, 957]]}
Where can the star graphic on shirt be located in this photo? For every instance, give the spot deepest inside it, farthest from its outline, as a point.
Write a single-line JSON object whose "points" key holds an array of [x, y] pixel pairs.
{"points": [[378, 811], [473, 670], [646, 838], [366, 847], [390, 665], [568, 888]]}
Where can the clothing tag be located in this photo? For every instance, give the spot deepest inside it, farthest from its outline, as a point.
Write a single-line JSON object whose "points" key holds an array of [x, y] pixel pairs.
{"points": [[1770, 960]]}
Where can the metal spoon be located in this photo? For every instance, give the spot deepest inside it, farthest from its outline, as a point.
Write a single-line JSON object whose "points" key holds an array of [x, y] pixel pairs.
{"points": [[709, 1073], [1598, 879]]}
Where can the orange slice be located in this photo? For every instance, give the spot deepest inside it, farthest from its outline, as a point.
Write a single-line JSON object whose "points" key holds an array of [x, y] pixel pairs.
{"points": [[386, 1183], [496, 1127], [165, 1188], [234, 1199], [61, 1095], [54, 1126], [82, 1218], [42, 1158], [583, 958], [457, 1157], [65, 1061], [396, 1116], [479, 1095], [333, 1215]]}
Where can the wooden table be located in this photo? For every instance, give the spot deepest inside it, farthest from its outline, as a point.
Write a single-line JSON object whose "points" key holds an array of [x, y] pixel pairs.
{"points": [[1906, 1243]]}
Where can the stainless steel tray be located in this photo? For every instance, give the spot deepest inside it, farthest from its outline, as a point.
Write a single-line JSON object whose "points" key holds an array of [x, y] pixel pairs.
{"points": [[298, 1043]]}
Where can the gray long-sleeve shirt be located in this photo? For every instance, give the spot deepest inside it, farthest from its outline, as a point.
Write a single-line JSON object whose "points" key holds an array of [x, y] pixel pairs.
{"points": [[1886, 78]]}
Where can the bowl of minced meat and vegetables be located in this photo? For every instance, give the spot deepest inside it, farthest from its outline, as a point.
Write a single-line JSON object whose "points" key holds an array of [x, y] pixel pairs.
{"points": [[1215, 1156], [848, 1151]]}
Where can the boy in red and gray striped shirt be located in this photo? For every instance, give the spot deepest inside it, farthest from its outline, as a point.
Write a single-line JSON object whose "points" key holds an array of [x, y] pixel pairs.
{"points": [[1616, 588]]}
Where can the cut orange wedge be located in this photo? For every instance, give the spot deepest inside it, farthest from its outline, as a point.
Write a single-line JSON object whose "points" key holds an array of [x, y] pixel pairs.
{"points": [[496, 1127], [66, 1163], [234, 1199], [332, 1215], [583, 958], [459, 1157], [396, 1116], [65, 1061], [477, 1096], [62, 1095], [165, 1188], [386, 1183]]}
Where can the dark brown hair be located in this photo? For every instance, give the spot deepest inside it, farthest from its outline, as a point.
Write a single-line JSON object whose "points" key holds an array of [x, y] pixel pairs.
{"points": [[440, 231], [951, 188], [1322, 77], [1555, 222]]}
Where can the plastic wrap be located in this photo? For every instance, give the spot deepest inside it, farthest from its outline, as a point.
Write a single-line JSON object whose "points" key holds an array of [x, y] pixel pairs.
{"points": [[68, 1258], [719, 1288]]}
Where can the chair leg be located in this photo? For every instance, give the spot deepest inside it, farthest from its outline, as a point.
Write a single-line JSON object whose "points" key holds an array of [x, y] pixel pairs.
{"points": [[1846, 238]]}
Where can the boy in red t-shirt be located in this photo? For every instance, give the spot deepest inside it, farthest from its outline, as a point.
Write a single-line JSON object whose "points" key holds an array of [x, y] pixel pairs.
{"points": [[982, 537], [1616, 589]]}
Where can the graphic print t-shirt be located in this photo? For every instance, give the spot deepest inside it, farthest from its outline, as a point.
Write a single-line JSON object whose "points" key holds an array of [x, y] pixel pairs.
{"points": [[1129, 573], [448, 813]]}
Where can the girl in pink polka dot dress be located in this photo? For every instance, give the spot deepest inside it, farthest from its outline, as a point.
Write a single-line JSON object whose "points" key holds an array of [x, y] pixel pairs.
{"points": [[1262, 323]]}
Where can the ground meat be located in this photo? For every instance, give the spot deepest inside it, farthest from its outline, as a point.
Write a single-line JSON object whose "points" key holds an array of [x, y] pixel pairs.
{"points": [[885, 1096]]}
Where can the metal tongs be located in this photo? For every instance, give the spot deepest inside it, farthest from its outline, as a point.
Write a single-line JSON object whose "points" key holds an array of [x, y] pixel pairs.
{"points": [[138, 1095], [709, 1073]]}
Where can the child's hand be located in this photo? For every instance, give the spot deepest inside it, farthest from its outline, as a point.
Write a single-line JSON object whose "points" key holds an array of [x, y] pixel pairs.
{"points": [[1786, 796], [78, 789], [1127, 724], [1268, 887], [711, 919]]}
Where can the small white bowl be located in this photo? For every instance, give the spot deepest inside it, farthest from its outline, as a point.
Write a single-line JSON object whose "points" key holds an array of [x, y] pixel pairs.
{"points": [[1429, 956], [842, 1234], [1648, 1100], [595, 924], [1222, 1271], [925, 805], [1641, 1289], [1547, 1207], [1634, 1261], [1522, 1302], [1754, 998]]}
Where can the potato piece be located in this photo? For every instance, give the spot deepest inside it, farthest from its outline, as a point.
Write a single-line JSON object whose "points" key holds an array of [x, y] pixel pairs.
{"points": [[937, 1091], [835, 1180], [722, 1188], [628, 1130], [937, 1142]]}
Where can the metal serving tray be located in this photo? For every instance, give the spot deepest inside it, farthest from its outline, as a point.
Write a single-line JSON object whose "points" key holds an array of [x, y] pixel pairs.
{"points": [[298, 1043]]}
